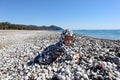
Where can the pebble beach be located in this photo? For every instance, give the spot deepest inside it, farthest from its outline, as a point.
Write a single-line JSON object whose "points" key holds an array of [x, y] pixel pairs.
{"points": [[99, 58]]}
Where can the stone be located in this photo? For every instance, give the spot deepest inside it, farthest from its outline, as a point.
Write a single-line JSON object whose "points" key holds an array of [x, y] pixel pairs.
{"points": [[58, 77], [116, 60], [33, 76]]}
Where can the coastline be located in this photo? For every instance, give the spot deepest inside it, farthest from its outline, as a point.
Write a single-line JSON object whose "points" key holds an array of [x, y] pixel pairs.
{"points": [[20, 46]]}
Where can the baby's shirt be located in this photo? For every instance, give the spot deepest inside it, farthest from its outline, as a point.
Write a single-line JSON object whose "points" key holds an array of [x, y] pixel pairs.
{"points": [[52, 52]]}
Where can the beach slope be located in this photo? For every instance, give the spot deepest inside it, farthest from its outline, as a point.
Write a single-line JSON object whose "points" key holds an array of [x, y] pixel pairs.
{"points": [[100, 58]]}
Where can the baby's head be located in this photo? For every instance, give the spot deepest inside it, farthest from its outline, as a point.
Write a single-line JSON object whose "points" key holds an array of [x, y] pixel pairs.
{"points": [[67, 37]]}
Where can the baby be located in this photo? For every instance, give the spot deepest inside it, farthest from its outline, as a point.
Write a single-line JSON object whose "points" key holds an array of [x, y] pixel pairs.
{"points": [[63, 47]]}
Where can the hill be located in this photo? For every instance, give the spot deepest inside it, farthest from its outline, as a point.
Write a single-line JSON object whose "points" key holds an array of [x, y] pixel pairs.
{"points": [[9, 26]]}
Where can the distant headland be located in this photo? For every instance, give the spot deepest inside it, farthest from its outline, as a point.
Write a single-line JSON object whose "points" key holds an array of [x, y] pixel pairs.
{"points": [[10, 26]]}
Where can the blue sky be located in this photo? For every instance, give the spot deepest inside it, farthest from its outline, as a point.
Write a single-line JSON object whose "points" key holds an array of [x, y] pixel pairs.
{"points": [[73, 14]]}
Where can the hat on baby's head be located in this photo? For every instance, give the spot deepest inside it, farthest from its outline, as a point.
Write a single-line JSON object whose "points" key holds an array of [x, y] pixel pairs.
{"points": [[66, 32]]}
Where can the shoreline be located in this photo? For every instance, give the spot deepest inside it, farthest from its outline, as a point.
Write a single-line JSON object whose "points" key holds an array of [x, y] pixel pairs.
{"points": [[27, 44]]}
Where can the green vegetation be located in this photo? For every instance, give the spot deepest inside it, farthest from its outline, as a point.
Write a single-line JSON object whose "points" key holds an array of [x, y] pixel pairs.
{"points": [[9, 26]]}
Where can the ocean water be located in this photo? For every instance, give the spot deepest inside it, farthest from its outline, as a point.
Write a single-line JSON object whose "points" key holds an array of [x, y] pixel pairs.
{"points": [[104, 34]]}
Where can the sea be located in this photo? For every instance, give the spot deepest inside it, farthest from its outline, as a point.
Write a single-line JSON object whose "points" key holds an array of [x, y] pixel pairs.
{"points": [[104, 34]]}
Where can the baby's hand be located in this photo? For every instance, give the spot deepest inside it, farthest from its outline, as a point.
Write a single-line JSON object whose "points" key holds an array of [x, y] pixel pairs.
{"points": [[76, 56]]}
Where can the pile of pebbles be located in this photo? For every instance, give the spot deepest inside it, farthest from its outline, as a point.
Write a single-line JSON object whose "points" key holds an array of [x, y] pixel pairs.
{"points": [[99, 60]]}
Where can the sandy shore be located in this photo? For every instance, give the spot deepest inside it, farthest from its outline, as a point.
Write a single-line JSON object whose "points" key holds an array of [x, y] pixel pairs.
{"points": [[18, 47]]}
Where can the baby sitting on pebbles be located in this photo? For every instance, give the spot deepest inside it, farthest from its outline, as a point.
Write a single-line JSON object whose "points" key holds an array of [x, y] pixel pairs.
{"points": [[63, 48]]}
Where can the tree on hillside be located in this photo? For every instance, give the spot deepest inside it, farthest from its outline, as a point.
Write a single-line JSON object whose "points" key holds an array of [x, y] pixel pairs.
{"points": [[7, 26]]}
